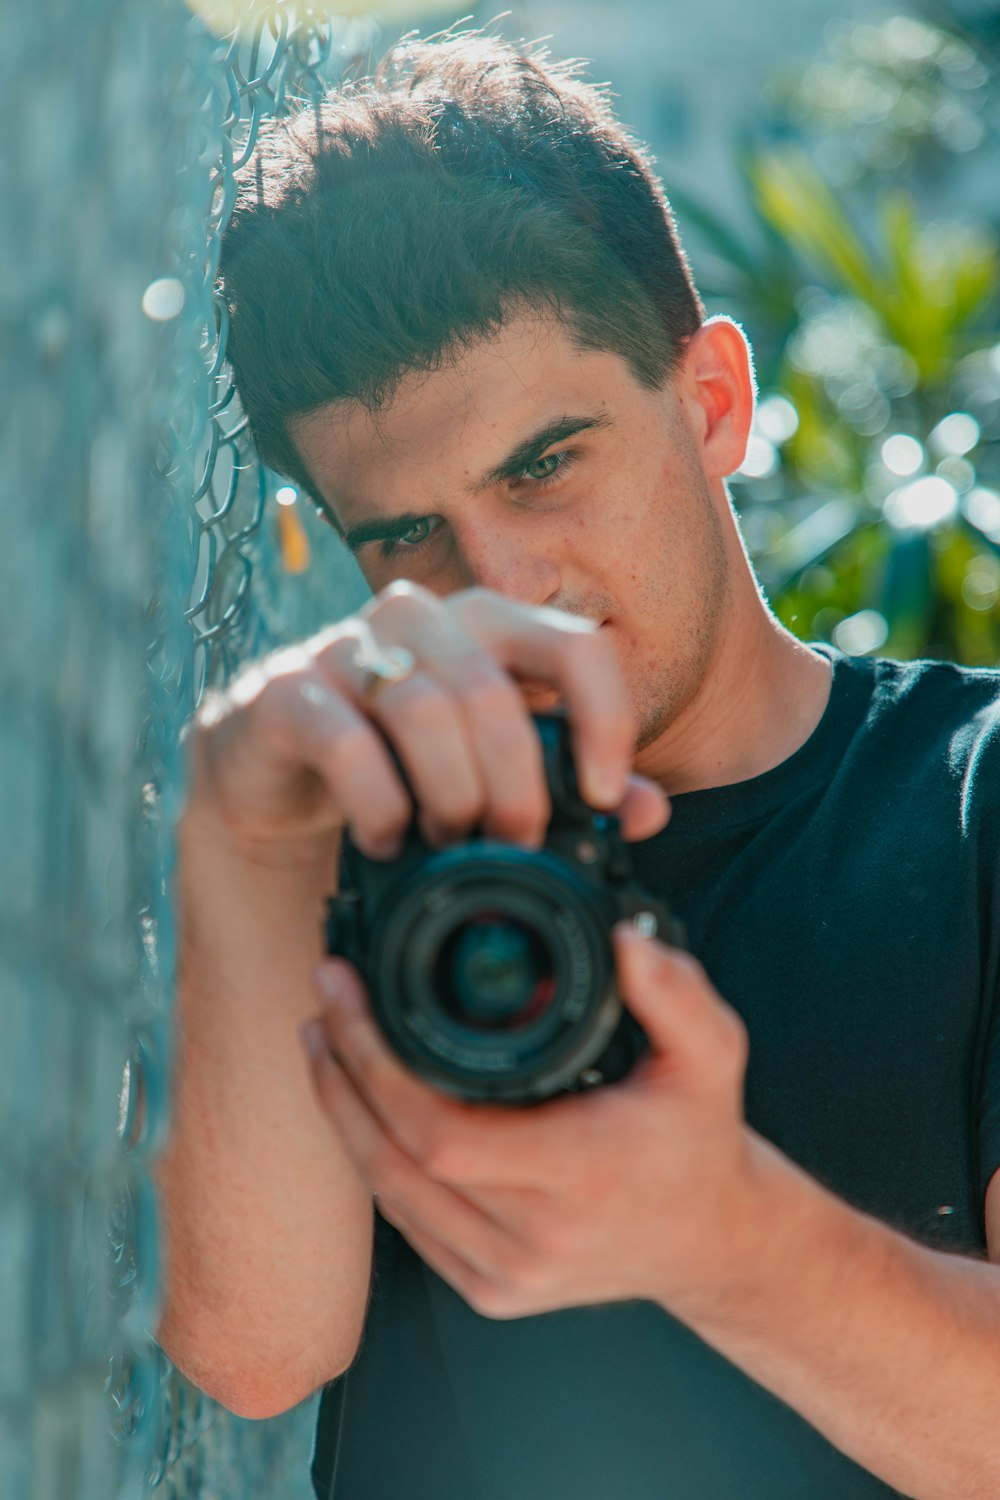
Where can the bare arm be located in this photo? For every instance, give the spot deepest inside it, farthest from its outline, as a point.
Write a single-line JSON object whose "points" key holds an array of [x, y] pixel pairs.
{"points": [[891, 1350], [267, 1225], [267, 1228]]}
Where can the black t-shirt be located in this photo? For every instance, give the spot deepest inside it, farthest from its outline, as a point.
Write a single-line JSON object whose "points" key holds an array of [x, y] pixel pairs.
{"points": [[846, 904]]}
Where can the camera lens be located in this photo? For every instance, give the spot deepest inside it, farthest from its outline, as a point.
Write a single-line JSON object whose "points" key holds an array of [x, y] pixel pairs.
{"points": [[492, 972], [495, 973]]}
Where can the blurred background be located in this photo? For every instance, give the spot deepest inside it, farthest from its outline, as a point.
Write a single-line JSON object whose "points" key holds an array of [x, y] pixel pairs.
{"points": [[835, 171]]}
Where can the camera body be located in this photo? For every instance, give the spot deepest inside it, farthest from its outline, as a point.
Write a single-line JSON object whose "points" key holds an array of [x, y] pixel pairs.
{"points": [[490, 968]]}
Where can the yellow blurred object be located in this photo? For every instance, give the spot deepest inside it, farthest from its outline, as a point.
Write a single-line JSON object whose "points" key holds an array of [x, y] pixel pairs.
{"points": [[292, 540], [224, 16]]}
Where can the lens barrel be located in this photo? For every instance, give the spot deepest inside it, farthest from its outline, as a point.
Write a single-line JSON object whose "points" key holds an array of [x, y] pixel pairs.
{"points": [[491, 972]]}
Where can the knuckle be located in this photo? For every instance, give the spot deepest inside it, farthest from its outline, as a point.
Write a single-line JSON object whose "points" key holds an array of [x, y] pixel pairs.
{"points": [[400, 601], [492, 695], [462, 814], [378, 829], [349, 751], [421, 706], [511, 823], [268, 719], [473, 601], [494, 1301], [558, 1239], [338, 645], [438, 1155], [518, 1270]]}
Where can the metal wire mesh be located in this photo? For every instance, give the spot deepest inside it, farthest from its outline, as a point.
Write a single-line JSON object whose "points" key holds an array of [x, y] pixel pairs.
{"points": [[136, 568]]}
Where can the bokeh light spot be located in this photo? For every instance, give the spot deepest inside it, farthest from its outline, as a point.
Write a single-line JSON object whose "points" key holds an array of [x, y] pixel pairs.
{"points": [[902, 455], [981, 507], [924, 503], [858, 634], [910, 39], [761, 458], [163, 299], [777, 419], [981, 584], [955, 435], [286, 495], [958, 472]]}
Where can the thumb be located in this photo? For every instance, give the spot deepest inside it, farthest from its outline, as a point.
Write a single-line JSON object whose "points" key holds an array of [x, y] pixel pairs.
{"points": [[687, 1021]]}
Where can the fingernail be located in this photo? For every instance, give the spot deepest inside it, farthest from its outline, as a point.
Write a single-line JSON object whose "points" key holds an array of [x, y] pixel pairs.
{"points": [[634, 933], [314, 1039], [607, 787], [387, 848], [329, 984]]}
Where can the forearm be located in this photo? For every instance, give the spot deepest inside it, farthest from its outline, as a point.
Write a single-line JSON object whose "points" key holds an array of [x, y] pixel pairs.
{"points": [[266, 1225], [891, 1350]]}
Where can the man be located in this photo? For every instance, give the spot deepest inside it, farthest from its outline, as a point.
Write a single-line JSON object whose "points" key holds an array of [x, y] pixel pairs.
{"points": [[462, 321]]}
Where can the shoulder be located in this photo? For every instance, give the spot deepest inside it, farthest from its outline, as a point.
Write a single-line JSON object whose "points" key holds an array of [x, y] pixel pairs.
{"points": [[942, 694], [942, 717], [958, 701]]}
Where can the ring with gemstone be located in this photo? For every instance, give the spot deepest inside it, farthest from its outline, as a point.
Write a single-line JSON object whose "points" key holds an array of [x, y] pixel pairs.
{"points": [[383, 668]]}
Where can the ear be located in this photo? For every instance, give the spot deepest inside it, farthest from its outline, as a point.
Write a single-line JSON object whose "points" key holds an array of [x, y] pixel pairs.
{"points": [[718, 389]]}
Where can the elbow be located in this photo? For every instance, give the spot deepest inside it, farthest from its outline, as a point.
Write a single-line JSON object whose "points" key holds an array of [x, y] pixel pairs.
{"points": [[258, 1400], [260, 1405], [256, 1390]]}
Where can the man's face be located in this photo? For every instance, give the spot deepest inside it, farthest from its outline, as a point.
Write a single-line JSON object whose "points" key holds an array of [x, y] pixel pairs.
{"points": [[550, 474]]}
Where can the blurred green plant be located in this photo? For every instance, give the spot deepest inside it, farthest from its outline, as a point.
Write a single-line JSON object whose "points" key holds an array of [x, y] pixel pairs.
{"points": [[888, 95], [870, 495]]}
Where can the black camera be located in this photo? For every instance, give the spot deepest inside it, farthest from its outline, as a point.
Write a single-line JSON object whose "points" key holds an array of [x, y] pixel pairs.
{"points": [[489, 967]]}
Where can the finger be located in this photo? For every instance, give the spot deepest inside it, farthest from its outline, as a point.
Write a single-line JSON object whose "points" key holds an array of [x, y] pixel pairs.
{"points": [[486, 720], [425, 725], [690, 1027], [282, 753], [402, 1189], [577, 658], [645, 810], [431, 738], [465, 1145]]}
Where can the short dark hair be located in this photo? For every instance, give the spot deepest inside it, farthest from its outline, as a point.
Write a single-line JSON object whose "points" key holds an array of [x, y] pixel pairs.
{"points": [[409, 213]]}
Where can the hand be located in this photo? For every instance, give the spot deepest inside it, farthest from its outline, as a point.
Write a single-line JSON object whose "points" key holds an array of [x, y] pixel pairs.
{"points": [[291, 751], [637, 1190]]}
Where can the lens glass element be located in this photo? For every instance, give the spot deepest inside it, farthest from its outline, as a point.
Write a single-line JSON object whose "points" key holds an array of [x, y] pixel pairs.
{"points": [[495, 973]]}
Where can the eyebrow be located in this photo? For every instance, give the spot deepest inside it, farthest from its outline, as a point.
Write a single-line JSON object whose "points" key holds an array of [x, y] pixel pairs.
{"points": [[384, 529], [391, 528]]}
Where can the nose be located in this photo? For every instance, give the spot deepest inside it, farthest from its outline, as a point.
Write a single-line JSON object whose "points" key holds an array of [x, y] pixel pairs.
{"points": [[504, 559]]}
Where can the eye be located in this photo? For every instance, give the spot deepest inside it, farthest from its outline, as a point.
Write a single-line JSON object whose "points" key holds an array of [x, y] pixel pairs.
{"points": [[544, 467], [412, 540], [542, 470]]}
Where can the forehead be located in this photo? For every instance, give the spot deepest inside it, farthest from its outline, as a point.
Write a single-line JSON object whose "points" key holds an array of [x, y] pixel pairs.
{"points": [[465, 414]]}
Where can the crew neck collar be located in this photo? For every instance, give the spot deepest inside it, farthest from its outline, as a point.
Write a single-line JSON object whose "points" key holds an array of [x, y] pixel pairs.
{"points": [[814, 761]]}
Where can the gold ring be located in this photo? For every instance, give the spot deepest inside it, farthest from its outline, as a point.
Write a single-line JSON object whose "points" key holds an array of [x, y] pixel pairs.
{"points": [[383, 669]]}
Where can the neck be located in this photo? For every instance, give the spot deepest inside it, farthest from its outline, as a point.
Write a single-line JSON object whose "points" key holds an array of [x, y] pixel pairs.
{"points": [[761, 698]]}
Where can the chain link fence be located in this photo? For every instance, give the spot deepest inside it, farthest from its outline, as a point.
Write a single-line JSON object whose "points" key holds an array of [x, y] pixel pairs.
{"points": [[142, 560]]}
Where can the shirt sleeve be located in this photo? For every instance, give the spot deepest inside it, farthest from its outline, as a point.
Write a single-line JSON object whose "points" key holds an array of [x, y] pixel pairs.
{"points": [[980, 753], [989, 1112]]}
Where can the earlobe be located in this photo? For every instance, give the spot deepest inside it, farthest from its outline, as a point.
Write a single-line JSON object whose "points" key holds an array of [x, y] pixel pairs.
{"points": [[720, 390]]}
